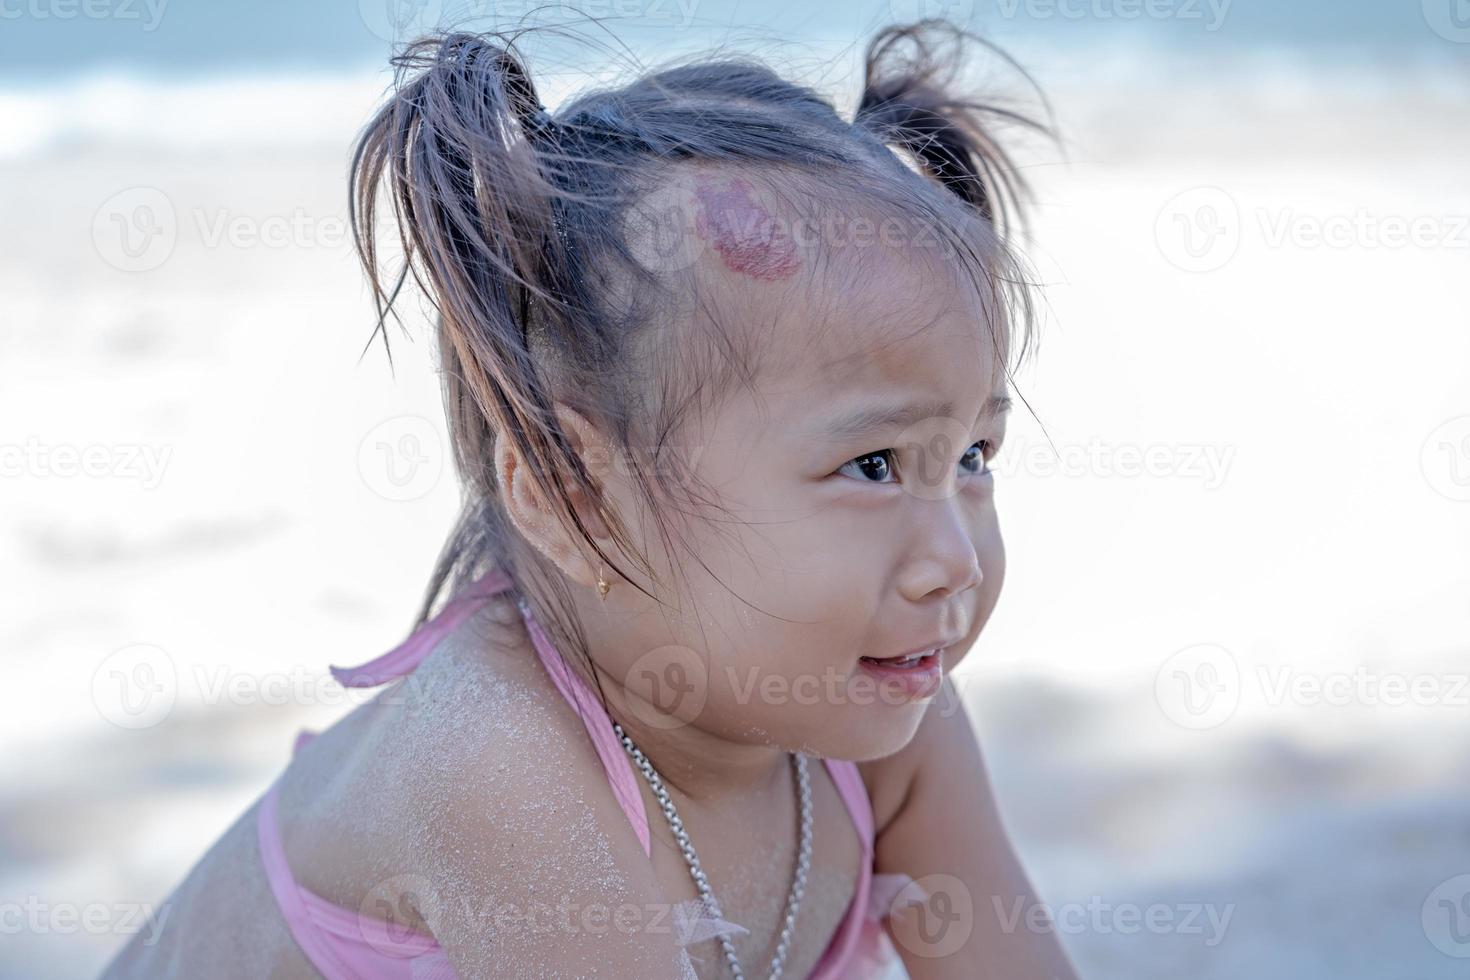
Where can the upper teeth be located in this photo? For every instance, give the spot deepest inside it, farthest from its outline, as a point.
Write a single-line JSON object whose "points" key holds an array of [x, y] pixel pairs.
{"points": [[913, 656]]}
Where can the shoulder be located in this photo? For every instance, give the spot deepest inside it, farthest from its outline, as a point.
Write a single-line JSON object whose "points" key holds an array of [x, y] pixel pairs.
{"points": [[520, 845], [466, 793], [491, 734]]}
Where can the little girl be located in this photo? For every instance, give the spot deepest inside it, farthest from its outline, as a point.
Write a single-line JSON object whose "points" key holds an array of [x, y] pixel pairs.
{"points": [[724, 372]]}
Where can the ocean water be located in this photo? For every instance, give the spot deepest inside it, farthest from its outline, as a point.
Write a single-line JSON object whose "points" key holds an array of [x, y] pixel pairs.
{"points": [[1223, 699]]}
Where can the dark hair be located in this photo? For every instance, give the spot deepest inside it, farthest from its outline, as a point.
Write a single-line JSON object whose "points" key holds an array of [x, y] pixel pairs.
{"points": [[511, 220]]}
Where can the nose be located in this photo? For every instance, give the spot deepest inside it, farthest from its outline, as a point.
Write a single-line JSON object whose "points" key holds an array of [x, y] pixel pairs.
{"points": [[946, 564]]}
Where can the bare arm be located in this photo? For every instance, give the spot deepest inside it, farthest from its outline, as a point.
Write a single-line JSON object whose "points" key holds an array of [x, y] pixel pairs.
{"points": [[980, 920]]}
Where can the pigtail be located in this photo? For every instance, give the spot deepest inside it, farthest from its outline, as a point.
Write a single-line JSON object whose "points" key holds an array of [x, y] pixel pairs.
{"points": [[908, 72], [467, 156]]}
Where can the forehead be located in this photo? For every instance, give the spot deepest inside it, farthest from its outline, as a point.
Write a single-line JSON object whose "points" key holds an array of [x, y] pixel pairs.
{"points": [[838, 296]]}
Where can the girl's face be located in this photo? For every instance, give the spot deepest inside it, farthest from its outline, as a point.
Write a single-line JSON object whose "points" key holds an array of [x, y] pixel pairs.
{"points": [[856, 512]]}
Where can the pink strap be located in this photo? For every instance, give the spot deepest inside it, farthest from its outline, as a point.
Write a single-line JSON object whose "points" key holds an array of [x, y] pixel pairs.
{"points": [[410, 653], [599, 727], [313, 941], [848, 943], [854, 793]]}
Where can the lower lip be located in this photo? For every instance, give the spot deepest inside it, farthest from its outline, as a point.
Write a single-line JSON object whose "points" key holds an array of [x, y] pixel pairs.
{"points": [[921, 679]]}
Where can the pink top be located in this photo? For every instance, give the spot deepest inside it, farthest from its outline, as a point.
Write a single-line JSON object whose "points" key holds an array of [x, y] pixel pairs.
{"points": [[346, 945]]}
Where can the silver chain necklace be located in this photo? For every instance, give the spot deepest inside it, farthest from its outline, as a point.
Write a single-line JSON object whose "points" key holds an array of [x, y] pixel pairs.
{"points": [[803, 855]]}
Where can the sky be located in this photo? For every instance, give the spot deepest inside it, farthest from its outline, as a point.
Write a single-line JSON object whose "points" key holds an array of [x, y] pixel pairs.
{"points": [[46, 39]]}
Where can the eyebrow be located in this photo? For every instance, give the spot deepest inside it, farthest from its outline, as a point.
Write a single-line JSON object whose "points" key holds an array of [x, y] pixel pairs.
{"points": [[883, 418]]}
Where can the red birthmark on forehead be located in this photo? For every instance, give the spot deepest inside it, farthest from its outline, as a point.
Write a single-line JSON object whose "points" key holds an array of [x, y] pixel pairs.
{"points": [[744, 233]]}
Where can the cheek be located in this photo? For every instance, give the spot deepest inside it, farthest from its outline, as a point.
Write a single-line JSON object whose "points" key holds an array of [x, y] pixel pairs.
{"points": [[992, 551], [788, 635], [992, 555]]}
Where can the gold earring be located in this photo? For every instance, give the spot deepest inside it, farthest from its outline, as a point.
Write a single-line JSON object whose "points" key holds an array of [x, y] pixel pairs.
{"points": [[602, 585]]}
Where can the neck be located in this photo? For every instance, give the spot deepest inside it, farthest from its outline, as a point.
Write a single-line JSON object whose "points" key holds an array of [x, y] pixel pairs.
{"points": [[694, 759], [700, 765]]}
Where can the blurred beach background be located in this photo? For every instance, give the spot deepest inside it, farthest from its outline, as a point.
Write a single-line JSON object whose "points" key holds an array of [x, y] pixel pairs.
{"points": [[1224, 697]]}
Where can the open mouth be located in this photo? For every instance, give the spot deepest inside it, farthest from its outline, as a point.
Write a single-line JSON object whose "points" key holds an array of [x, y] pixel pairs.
{"points": [[912, 661], [908, 678]]}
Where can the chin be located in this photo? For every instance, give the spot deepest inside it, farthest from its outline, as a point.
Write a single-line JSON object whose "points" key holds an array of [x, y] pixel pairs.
{"points": [[864, 732]]}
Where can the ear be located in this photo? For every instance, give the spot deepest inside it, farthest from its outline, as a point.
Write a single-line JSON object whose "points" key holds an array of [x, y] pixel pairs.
{"points": [[532, 513]]}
